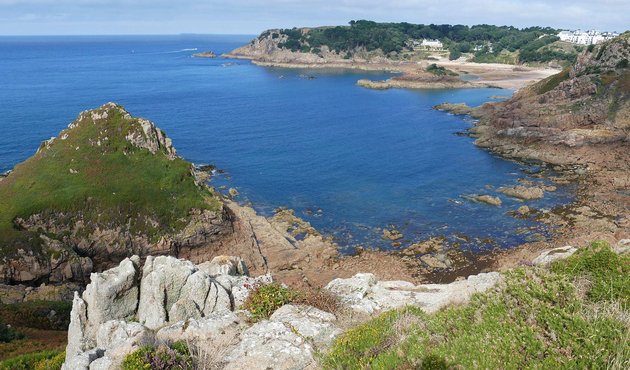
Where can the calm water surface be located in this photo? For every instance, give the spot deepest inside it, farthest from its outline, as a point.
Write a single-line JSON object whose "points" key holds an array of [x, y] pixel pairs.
{"points": [[349, 160]]}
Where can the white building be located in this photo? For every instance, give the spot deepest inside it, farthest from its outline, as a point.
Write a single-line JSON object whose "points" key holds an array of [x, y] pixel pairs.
{"points": [[586, 37], [432, 44]]}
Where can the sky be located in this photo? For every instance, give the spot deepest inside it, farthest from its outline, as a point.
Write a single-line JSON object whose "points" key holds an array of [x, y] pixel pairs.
{"points": [[97, 17]]}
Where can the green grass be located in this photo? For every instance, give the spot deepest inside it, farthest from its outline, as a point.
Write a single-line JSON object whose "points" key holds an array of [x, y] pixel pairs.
{"points": [[265, 299], [116, 184], [572, 316], [44, 360]]}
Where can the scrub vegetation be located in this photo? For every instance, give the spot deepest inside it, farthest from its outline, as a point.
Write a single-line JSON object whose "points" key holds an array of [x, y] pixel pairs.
{"points": [[573, 315]]}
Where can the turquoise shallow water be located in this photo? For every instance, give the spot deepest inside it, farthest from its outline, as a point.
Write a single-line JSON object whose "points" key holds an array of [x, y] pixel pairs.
{"points": [[347, 159]]}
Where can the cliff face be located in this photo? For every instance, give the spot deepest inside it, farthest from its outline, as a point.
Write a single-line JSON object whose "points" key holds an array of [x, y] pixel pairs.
{"points": [[587, 104], [108, 186]]}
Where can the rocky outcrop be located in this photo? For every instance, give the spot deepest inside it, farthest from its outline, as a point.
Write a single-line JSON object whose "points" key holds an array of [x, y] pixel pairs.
{"points": [[205, 54], [287, 340], [585, 105], [267, 49], [104, 328], [365, 294], [488, 199], [170, 300], [454, 108], [21, 293]]}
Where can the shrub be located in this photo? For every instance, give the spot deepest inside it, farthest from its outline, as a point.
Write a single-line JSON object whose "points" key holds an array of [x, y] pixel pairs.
{"points": [[34, 360], [321, 299], [53, 363], [8, 334], [176, 357], [265, 299]]}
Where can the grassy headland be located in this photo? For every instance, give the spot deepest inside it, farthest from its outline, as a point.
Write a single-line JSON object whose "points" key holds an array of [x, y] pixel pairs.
{"points": [[94, 174]]}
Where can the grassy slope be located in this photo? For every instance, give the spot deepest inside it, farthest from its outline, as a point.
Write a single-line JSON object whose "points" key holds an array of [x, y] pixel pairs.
{"points": [[114, 182], [572, 316]]}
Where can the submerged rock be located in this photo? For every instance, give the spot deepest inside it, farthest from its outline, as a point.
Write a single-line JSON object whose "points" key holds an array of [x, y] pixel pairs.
{"points": [[494, 201], [392, 234]]}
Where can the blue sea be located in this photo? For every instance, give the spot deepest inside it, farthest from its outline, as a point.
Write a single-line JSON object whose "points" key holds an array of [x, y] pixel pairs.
{"points": [[352, 161]]}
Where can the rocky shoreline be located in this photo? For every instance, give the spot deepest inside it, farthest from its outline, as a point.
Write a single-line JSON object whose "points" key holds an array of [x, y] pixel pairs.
{"points": [[265, 53]]}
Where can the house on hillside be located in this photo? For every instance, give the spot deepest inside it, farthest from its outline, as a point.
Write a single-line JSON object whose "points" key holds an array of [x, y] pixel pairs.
{"points": [[432, 44], [586, 37]]}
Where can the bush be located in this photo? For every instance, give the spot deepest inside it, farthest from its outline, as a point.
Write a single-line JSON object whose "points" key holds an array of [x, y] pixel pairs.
{"points": [[35, 361], [454, 54], [176, 357], [265, 299], [8, 334], [53, 363], [439, 71]]}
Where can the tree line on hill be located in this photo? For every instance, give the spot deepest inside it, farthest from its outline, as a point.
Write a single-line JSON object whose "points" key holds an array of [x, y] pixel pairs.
{"points": [[486, 42]]}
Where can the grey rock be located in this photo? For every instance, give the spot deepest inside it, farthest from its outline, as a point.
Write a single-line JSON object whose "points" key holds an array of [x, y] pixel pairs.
{"points": [[163, 278], [83, 360], [309, 322], [225, 265], [112, 295], [243, 285], [362, 293], [77, 340], [623, 246], [119, 338], [555, 254], [270, 345], [208, 328]]}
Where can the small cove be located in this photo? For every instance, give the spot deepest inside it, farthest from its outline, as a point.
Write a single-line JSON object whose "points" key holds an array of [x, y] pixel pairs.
{"points": [[351, 161]]}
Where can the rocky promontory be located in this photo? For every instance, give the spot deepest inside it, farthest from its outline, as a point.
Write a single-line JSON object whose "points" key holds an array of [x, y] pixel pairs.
{"points": [[108, 186]]}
